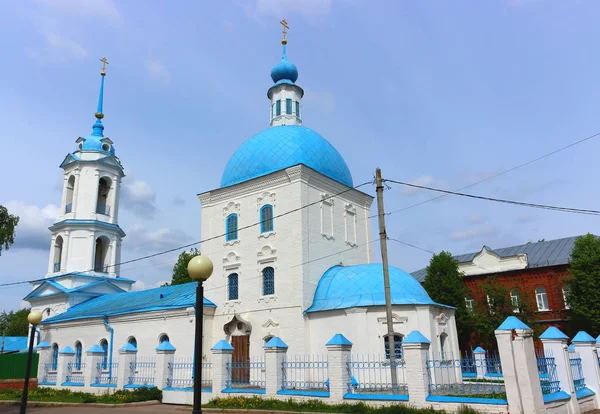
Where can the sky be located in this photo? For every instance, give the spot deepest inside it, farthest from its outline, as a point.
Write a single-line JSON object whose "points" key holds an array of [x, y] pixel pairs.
{"points": [[442, 94]]}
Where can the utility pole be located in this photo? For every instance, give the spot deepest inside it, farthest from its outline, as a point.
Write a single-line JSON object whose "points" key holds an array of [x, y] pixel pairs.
{"points": [[386, 279]]}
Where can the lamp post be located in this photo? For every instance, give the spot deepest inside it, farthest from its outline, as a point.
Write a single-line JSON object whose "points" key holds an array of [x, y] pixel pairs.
{"points": [[34, 318], [199, 268]]}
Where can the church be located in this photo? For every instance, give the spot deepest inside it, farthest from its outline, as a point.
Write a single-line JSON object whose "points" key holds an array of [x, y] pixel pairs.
{"points": [[289, 235]]}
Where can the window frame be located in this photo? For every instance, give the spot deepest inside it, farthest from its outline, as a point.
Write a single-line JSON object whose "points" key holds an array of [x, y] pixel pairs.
{"points": [[54, 356], [515, 299], [470, 302], [565, 291], [163, 337], [237, 286], [288, 106], [78, 353], [399, 352], [298, 109], [231, 235], [104, 345], [265, 282], [544, 299], [265, 221], [278, 107]]}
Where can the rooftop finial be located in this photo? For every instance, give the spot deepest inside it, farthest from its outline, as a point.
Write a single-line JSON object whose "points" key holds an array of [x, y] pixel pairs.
{"points": [[98, 128], [284, 23]]}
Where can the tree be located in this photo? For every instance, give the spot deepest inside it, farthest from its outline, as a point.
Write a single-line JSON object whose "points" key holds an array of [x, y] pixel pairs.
{"points": [[444, 284], [14, 323], [583, 295], [180, 273], [8, 222]]}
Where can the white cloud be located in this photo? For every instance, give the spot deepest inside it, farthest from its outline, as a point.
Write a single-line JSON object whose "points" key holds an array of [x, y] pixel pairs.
{"points": [[139, 197], [473, 233], [57, 48], [157, 71], [105, 9], [157, 239], [32, 231]]}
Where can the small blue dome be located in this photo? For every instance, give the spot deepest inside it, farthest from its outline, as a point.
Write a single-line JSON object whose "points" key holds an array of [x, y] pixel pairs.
{"points": [[343, 287], [284, 70], [93, 143], [281, 147]]}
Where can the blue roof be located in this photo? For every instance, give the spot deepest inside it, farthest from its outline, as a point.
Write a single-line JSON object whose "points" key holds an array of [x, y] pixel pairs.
{"points": [[583, 336], [540, 254], [222, 345], [553, 333], [166, 346], [67, 350], [282, 147], [43, 345], [343, 287], [14, 343], [510, 323], [416, 337], [167, 297], [479, 350], [276, 342], [339, 339], [96, 349], [129, 347]]}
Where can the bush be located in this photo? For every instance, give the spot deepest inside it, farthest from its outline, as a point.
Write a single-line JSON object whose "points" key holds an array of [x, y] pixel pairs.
{"points": [[64, 395]]}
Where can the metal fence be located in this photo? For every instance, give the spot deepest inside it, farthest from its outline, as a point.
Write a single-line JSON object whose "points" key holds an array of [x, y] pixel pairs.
{"points": [[576, 371], [546, 365], [106, 375], [372, 374], [75, 375], [182, 374], [49, 377], [305, 372], [12, 366], [247, 375], [446, 379], [142, 372]]}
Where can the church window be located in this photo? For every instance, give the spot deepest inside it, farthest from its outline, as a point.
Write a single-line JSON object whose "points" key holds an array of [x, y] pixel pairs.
{"points": [[266, 218], [469, 302], [102, 206], [163, 338], [278, 107], [298, 109], [132, 341], [515, 298], [288, 106], [397, 346], [78, 349], [54, 357], [58, 246], [327, 217], [232, 286], [231, 224], [104, 346], [542, 299], [69, 199], [565, 291], [100, 255], [268, 281]]}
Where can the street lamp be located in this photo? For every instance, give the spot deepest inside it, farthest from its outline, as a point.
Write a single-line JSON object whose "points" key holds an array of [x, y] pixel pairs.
{"points": [[199, 268], [34, 318]]}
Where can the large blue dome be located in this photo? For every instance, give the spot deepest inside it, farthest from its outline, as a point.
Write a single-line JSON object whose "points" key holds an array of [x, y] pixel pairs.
{"points": [[343, 287], [281, 147]]}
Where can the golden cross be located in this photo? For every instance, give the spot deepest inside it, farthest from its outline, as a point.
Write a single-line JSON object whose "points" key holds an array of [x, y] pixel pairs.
{"points": [[285, 26], [104, 63]]}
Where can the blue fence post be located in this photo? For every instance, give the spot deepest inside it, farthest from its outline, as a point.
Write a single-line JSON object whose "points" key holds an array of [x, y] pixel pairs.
{"points": [[339, 349], [416, 348], [585, 347], [275, 353], [165, 354], [479, 360]]}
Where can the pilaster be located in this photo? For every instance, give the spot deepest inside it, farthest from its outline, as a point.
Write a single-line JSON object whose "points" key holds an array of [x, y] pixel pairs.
{"points": [[127, 355], [221, 357], [93, 357], [416, 348], [65, 357], [339, 349], [165, 355], [275, 353]]}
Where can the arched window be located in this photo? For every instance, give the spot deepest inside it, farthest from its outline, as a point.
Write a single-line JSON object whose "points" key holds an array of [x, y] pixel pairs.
{"points": [[102, 206], [100, 255], [443, 341], [104, 346], [132, 341], [69, 200], [231, 227], [397, 346], [58, 245], [542, 299], [232, 286], [267, 338], [163, 338], [469, 301], [54, 357], [288, 106], [268, 281], [566, 291], [266, 218], [278, 107], [78, 351], [515, 300]]}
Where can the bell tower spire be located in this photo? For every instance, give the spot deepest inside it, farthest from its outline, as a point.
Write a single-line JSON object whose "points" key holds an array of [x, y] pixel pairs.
{"points": [[98, 128]]}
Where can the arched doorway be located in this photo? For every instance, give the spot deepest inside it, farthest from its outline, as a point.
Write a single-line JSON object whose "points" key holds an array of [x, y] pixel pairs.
{"points": [[239, 331]]}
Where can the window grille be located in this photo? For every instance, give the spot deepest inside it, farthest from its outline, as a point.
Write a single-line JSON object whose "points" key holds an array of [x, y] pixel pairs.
{"points": [[231, 227], [232, 286], [266, 219], [268, 281]]}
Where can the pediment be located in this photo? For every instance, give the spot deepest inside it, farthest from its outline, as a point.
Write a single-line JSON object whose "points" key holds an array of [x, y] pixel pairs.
{"points": [[69, 159], [488, 261], [46, 289], [100, 288]]}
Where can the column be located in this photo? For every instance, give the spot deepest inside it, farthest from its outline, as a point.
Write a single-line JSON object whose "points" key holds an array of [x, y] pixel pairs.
{"points": [[93, 359], [75, 195], [113, 257], [51, 258], [93, 214], [555, 345], [221, 356], [44, 351], [63, 202], [275, 352], [165, 354], [339, 349], [585, 346], [66, 356], [115, 207], [480, 362], [127, 355], [65, 252], [416, 348]]}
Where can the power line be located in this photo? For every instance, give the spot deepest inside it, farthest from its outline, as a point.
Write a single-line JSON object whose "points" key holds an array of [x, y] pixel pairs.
{"points": [[499, 174], [410, 245], [519, 203]]}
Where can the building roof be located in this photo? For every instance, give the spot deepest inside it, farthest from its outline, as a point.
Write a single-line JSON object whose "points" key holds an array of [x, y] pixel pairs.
{"points": [[540, 254], [13, 343], [343, 287], [281, 147], [162, 298]]}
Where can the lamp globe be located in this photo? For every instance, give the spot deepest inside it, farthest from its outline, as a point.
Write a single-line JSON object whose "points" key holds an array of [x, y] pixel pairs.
{"points": [[34, 318], [200, 268]]}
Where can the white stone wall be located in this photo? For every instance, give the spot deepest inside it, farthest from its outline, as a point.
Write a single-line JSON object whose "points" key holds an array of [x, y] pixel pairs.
{"points": [[283, 92]]}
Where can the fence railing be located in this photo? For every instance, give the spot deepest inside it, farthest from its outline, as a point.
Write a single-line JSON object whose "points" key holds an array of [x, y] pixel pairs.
{"points": [[576, 370], [546, 365], [372, 374], [75, 376], [141, 373], [182, 373], [49, 377], [106, 375], [248, 375], [305, 373]]}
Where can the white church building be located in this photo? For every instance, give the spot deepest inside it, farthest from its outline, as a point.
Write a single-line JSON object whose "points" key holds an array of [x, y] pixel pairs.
{"points": [[289, 235]]}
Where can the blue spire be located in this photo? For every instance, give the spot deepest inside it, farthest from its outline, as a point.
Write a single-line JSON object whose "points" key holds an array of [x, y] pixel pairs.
{"points": [[98, 128]]}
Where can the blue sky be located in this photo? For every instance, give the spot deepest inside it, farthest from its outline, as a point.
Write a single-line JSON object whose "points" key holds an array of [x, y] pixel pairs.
{"points": [[436, 93]]}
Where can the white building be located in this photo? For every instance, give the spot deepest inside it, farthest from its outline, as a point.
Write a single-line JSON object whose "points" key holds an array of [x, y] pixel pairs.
{"points": [[291, 242]]}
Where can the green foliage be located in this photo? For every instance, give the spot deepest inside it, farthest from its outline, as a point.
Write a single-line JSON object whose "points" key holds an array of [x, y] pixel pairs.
{"points": [[65, 395], [180, 274], [14, 323], [8, 222], [444, 284], [584, 288]]}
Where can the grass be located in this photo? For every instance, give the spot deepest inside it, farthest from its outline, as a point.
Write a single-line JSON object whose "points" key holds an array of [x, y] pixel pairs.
{"points": [[68, 396], [257, 403]]}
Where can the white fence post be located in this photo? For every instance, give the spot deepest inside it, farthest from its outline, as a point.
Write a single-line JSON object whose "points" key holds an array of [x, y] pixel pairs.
{"points": [[165, 354], [65, 357], [555, 342], [479, 361], [275, 352], [338, 354], [416, 348], [94, 356], [44, 350], [127, 355], [222, 353], [585, 346]]}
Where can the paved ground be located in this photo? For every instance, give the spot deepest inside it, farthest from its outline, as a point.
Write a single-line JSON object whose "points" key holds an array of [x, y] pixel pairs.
{"points": [[163, 409]]}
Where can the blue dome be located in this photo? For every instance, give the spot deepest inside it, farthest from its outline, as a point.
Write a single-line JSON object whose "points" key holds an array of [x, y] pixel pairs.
{"points": [[93, 143], [281, 147], [343, 287], [284, 70]]}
